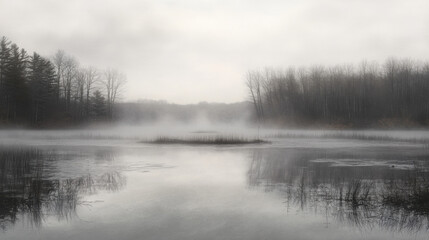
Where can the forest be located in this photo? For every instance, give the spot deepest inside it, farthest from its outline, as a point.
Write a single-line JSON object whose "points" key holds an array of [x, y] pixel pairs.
{"points": [[393, 94], [57, 91]]}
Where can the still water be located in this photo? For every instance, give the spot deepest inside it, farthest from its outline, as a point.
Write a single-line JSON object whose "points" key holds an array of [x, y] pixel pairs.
{"points": [[290, 189]]}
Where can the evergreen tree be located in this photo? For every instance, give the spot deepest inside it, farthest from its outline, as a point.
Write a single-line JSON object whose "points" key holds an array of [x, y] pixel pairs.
{"points": [[16, 90], [43, 85], [99, 106], [4, 65]]}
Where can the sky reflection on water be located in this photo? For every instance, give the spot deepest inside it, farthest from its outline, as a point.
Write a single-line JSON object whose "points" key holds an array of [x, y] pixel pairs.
{"points": [[213, 193]]}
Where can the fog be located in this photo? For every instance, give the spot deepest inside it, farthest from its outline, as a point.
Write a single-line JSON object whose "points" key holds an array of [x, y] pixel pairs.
{"points": [[214, 119], [202, 49]]}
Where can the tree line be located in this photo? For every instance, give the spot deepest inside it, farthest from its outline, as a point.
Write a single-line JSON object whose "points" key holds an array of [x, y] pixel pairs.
{"points": [[370, 94], [151, 111], [37, 90]]}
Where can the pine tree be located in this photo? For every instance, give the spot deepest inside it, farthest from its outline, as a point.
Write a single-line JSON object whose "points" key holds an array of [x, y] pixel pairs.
{"points": [[4, 64], [16, 90], [42, 84]]}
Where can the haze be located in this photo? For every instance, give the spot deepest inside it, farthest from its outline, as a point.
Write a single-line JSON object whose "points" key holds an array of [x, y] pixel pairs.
{"points": [[191, 51], [227, 119]]}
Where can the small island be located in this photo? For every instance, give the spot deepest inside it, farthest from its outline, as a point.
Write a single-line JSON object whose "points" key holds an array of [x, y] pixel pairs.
{"points": [[206, 140]]}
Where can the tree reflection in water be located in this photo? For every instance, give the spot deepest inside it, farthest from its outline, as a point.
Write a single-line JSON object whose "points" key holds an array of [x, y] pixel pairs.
{"points": [[362, 196], [28, 191]]}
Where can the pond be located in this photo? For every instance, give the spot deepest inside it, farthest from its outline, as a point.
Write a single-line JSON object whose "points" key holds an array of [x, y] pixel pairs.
{"points": [[293, 188]]}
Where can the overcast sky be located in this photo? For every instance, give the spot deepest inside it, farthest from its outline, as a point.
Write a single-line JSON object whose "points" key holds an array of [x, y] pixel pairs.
{"points": [[187, 51]]}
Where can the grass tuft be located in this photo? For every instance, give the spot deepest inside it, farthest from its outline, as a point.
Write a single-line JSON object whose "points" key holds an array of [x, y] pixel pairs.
{"points": [[206, 140]]}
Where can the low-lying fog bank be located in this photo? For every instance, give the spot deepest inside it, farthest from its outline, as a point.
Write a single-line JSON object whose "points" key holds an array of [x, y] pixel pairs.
{"points": [[123, 133]]}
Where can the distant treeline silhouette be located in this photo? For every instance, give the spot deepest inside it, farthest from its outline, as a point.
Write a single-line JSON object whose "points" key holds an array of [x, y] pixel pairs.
{"points": [[37, 90], [149, 111], [393, 94]]}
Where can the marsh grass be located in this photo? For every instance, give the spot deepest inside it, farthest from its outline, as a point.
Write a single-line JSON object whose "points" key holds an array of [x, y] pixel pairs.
{"points": [[357, 192], [28, 191], [410, 195], [363, 197], [206, 140]]}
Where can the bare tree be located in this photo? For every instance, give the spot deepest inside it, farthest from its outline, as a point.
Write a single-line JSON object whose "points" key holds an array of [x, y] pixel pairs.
{"points": [[69, 76], [58, 60], [80, 91], [344, 94], [254, 85], [113, 82], [91, 77]]}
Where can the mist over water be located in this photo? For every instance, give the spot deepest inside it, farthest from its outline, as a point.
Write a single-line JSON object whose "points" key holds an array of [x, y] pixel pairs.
{"points": [[105, 183], [214, 120]]}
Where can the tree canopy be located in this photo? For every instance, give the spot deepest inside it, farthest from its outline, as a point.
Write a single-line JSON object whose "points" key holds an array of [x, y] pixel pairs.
{"points": [[37, 90]]}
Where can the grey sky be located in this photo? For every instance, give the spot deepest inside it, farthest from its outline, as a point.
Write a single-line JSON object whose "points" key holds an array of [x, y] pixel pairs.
{"points": [[199, 50]]}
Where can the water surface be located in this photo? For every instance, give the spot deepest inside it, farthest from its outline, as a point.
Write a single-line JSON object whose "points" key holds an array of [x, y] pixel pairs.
{"points": [[306, 188]]}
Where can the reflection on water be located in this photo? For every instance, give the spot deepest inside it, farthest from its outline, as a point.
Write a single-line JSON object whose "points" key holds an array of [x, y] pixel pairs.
{"points": [[182, 192], [382, 195], [29, 190]]}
